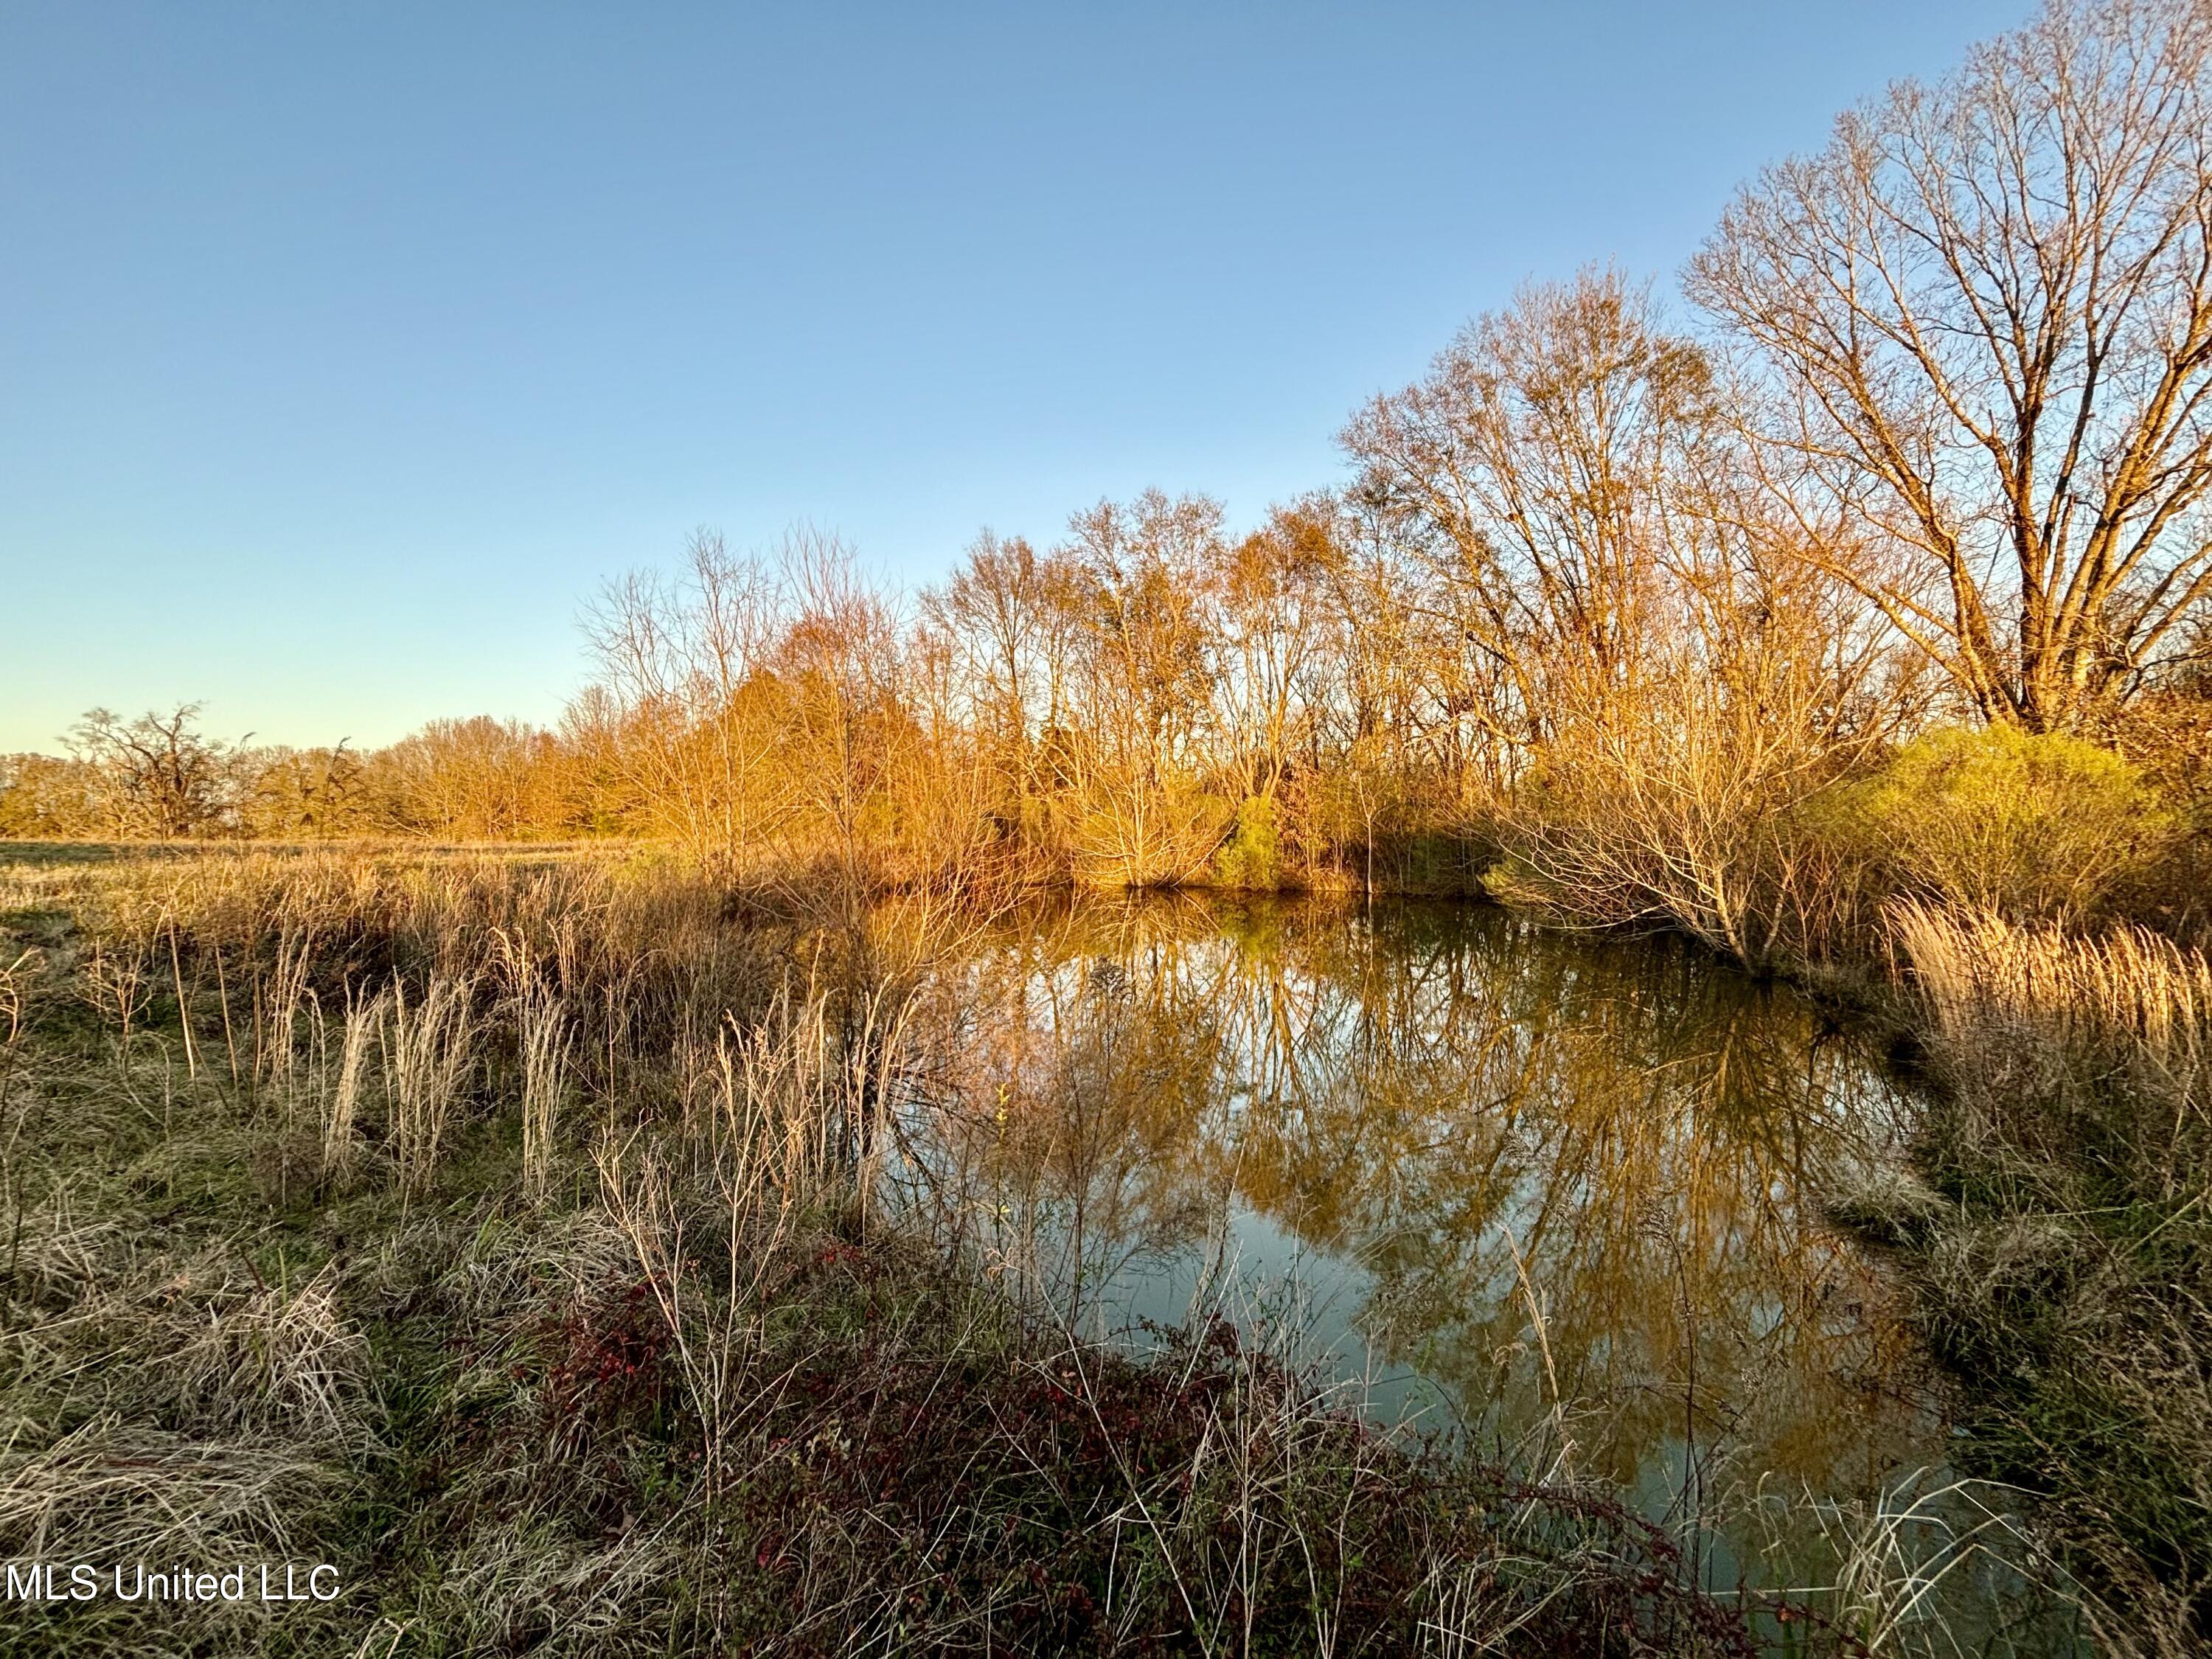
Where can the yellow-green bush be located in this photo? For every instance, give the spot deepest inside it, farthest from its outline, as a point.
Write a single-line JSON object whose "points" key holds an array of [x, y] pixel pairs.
{"points": [[1251, 859], [2028, 826]]}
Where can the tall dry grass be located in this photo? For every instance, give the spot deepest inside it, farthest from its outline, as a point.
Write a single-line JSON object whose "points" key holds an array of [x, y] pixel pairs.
{"points": [[428, 1052], [2124, 983], [543, 1032], [586, 1337], [361, 1026], [2060, 1264]]}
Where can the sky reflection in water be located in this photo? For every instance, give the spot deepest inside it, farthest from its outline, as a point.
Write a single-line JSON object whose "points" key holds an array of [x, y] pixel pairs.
{"points": [[1408, 1129]]}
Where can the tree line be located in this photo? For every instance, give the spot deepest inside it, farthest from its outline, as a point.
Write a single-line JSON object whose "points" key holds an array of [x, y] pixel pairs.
{"points": [[1615, 589]]}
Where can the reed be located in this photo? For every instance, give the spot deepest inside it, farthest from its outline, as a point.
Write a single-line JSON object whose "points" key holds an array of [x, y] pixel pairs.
{"points": [[361, 1030], [2059, 1255], [281, 998], [429, 1050], [2124, 983], [543, 1026]]}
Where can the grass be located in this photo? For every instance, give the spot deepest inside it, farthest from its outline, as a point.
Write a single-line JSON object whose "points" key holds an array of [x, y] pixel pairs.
{"points": [[2060, 1250], [498, 1229]]}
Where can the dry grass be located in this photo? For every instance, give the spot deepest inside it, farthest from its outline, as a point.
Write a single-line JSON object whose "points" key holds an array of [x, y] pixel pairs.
{"points": [[2061, 1256], [428, 1049], [2077, 992], [362, 1024], [1895, 1566], [504, 1234]]}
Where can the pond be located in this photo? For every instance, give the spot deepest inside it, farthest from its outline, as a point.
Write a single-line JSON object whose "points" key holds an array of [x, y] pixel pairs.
{"points": [[1561, 1194]]}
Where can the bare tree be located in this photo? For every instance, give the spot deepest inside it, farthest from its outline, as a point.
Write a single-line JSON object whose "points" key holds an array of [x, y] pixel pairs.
{"points": [[1527, 469], [158, 776], [1147, 682], [839, 664], [1988, 305], [479, 779], [45, 798], [1272, 615], [1002, 609], [688, 712]]}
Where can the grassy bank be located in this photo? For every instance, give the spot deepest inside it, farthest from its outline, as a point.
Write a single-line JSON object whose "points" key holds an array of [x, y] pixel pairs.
{"points": [[495, 1229], [2025, 915], [2058, 1249]]}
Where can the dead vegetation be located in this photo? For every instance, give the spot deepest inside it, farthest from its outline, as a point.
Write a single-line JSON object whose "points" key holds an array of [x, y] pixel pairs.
{"points": [[2060, 1253], [536, 1284], [1784, 635]]}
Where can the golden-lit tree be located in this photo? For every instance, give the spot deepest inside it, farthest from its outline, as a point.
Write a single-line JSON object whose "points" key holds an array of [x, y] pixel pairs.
{"points": [[479, 779], [47, 797], [155, 778], [690, 715], [1529, 470], [1144, 686], [1986, 308]]}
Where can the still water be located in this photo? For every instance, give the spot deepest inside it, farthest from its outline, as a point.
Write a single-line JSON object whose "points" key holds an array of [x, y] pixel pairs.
{"points": [[1562, 1195]]}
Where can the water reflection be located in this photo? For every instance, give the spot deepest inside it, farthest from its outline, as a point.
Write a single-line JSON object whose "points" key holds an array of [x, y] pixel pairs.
{"points": [[1564, 1190]]}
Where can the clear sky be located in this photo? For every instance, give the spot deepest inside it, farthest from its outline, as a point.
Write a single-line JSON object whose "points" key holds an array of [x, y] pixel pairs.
{"points": [[346, 348]]}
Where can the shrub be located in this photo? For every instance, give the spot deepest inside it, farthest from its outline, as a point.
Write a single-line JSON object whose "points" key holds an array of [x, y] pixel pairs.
{"points": [[1141, 831], [1251, 859], [2032, 827]]}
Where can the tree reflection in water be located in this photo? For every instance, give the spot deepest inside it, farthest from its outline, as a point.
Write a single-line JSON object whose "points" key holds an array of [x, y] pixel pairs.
{"points": [[1441, 1122]]}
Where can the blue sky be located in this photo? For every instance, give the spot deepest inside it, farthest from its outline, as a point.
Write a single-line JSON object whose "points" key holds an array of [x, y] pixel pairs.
{"points": [[345, 350]]}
